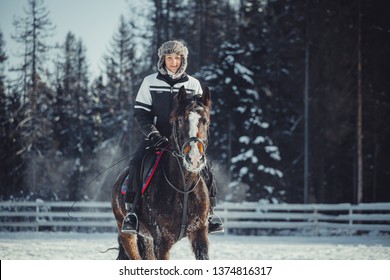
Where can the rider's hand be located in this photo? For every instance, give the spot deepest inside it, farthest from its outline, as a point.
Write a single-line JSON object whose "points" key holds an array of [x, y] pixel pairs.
{"points": [[158, 141]]}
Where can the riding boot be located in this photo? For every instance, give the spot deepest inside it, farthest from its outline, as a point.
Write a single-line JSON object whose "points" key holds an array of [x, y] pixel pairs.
{"points": [[215, 223], [130, 223]]}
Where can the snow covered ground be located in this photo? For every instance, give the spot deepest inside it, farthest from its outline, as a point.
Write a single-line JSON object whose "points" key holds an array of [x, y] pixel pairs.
{"points": [[83, 246]]}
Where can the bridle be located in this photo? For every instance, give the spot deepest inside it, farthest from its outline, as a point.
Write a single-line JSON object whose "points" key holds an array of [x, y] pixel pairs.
{"points": [[181, 151]]}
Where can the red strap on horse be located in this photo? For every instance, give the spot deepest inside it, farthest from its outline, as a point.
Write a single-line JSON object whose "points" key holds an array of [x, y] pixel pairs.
{"points": [[149, 178]]}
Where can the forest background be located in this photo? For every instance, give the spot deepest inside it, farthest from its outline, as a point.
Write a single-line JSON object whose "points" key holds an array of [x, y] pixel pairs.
{"points": [[300, 93]]}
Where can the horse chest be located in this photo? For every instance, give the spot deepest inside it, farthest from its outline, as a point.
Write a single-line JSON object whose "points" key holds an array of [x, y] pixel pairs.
{"points": [[165, 209]]}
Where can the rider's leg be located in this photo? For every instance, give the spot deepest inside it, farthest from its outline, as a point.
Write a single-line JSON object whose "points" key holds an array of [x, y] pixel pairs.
{"points": [[130, 222], [215, 225]]}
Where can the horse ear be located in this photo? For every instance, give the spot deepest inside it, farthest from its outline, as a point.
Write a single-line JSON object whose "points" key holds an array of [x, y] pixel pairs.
{"points": [[206, 97], [182, 95]]}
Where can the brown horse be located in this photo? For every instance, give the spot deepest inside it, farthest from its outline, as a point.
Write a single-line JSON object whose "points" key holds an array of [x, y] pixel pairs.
{"points": [[176, 203]]}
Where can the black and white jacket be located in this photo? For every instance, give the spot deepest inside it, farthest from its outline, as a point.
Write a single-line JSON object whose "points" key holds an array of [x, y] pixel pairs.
{"points": [[155, 101]]}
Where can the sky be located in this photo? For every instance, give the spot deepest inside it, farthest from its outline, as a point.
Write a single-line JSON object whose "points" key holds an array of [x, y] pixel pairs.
{"points": [[94, 21]]}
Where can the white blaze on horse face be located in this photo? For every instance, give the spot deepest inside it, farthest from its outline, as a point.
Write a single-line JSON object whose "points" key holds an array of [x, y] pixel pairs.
{"points": [[194, 153], [193, 118]]}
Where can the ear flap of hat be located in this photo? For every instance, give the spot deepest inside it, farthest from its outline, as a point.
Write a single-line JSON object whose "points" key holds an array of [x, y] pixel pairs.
{"points": [[161, 65], [183, 66]]}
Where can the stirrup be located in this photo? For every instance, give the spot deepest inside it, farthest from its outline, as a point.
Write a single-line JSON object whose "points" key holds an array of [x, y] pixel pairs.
{"points": [[217, 226], [130, 228]]}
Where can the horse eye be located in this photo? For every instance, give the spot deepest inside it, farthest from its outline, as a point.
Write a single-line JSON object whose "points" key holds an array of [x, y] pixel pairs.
{"points": [[204, 121]]}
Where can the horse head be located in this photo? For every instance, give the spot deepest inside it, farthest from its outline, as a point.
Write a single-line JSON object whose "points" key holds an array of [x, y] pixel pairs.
{"points": [[190, 123]]}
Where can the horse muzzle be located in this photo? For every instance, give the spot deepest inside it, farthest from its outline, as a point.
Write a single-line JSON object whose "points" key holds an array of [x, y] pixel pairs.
{"points": [[193, 151]]}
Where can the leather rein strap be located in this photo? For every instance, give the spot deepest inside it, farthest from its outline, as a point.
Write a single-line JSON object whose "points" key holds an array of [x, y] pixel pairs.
{"points": [[185, 192]]}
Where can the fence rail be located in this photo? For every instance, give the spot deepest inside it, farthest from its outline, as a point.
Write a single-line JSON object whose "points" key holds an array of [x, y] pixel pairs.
{"points": [[238, 218], [314, 218]]}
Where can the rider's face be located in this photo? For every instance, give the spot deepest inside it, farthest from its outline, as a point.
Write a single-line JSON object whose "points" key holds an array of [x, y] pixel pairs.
{"points": [[172, 62]]}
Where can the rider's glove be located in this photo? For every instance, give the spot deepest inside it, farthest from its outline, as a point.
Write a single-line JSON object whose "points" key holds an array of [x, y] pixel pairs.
{"points": [[158, 141]]}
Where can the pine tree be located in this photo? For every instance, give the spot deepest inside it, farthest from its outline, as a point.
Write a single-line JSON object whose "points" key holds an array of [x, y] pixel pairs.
{"points": [[209, 24], [239, 135], [66, 87], [273, 33], [3, 59], [74, 130], [5, 139], [121, 86], [333, 102], [31, 32], [11, 162], [201, 25]]}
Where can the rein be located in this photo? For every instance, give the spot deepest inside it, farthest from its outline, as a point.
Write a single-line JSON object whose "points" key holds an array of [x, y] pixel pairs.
{"points": [[182, 177]]}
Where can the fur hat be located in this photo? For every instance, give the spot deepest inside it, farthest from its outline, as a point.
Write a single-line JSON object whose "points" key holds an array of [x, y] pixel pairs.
{"points": [[171, 47]]}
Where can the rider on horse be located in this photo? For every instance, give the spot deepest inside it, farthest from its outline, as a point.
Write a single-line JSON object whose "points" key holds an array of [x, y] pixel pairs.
{"points": [[153, 106]]}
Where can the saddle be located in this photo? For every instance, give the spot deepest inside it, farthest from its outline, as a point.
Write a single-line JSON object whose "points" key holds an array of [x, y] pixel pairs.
{"points": [[146, 171]]}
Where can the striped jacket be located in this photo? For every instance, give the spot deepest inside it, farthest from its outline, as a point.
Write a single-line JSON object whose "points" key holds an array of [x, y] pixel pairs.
{"points": [[156, 99]]}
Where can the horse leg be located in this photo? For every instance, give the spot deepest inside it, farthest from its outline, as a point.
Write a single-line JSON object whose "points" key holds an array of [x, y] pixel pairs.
{"points": [[145, 247], [129, 243], [163, 248], [199, 243], [122, 253]]}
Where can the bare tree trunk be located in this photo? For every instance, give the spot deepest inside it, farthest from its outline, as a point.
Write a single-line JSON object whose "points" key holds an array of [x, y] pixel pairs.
{"points": [[306, 104], [158, 23], [33, 94], [359, 192]]}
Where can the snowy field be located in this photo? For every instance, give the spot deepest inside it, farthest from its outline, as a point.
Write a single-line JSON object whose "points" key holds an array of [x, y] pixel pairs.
{"points": [[82, 246]]}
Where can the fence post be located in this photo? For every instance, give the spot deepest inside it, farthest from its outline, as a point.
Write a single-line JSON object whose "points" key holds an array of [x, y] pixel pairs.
{"points": [[37, 216], [350, 220], [315, 212], [225, 214]]}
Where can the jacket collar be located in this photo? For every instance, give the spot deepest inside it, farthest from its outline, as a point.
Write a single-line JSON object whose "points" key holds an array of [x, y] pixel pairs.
{"points": [[166, 78]]}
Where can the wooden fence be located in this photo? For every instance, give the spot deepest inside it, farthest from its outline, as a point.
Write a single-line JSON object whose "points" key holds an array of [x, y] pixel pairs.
{"points": [[315, 219], [238, 218]]}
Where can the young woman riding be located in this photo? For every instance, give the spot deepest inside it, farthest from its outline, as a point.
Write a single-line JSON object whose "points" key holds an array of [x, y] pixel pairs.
{"points": [[153, 105]]}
